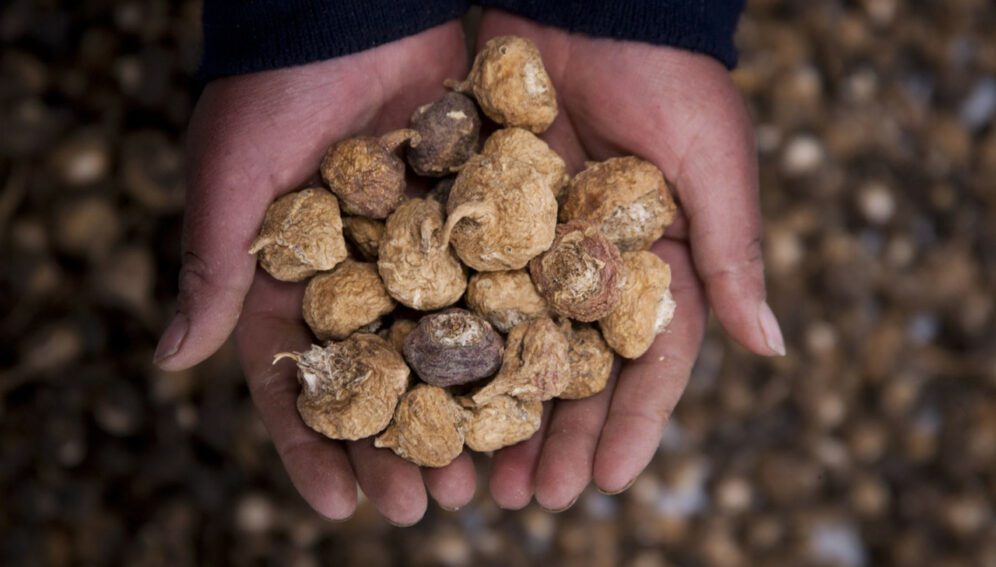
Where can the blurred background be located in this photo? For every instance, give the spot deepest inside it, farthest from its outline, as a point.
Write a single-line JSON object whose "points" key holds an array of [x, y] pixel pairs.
{"points": [[872, 443]]}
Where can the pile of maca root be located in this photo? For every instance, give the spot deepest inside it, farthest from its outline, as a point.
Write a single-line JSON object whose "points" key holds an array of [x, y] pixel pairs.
{"points": [[510, 298]]}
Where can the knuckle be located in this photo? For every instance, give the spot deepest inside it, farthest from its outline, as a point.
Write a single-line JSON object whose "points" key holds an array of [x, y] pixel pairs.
{"points": [[199, 283]]}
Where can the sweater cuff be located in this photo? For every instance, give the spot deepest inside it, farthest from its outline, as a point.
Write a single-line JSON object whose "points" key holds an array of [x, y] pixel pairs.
{"points": [[703, 26], [243, 36]]}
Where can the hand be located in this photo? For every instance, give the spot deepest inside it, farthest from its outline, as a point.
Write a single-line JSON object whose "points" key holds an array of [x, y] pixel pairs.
{"points": [[253, 138], [680, 111]]}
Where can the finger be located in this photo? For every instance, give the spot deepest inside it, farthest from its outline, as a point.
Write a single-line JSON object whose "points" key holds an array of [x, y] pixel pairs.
{"points": [[649, 387], [392, 484], [513, 469], [565, 464], [452, 486], [716, 180], [317, 466], [247, 145]]}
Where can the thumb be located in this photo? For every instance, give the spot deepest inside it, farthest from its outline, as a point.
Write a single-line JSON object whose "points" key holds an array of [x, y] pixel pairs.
{"points": [[220, 223], [718, 186]]}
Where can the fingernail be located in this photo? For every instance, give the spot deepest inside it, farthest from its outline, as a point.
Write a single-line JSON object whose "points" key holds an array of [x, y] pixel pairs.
{"points": [[621, 490], [569, 504], [769, 326], [172, 339]]}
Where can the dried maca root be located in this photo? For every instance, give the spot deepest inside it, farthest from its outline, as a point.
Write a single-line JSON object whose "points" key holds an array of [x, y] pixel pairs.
{"points": [[591, 361], [511, 84], [646, 307], [453, 347], [427, 428], [580, 276], [449, 129], [366, 175], [535, 367], [301, 235], [398, 332], [418, 269], [500, 422], [523, 145], [505, 299], [350, 297], [365, 234], [349, 389], [501, 214], [627, 197]]}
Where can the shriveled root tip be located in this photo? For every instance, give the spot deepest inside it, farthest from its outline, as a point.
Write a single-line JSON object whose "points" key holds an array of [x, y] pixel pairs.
{"points": [[476, 211], [295, 356], [393, 140], [458, 86], [260, 243]]}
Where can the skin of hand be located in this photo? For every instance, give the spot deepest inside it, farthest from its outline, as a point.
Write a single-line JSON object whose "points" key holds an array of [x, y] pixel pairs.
{"points": [[680, 111], [251, 139]]}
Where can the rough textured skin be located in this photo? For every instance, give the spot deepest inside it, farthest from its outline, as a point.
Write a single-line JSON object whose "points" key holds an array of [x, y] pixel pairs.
{"points": [[365, 234], [646, 307], [427, 428], [338, 303], [628, 197], [505, 299], [511, 85], [535, 367], [501, 214], [301, 235], [418, 269], [349, 389], [591, 361], [580, 276], [397, 333], [453, 347], [449, 129], [523, 145], [500, 422], [365, 174]]}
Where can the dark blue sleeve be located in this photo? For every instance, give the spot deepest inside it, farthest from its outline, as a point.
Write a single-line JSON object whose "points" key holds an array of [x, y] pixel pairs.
{"points": [[242, 36], [703, 26]]}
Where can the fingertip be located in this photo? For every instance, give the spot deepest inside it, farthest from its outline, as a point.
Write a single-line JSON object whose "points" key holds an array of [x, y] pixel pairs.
{"points": [[452, 486], [771, 330], [170, 344]]}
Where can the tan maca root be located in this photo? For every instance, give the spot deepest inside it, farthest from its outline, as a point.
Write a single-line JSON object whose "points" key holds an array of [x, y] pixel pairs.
{"points": [[418, 269], [500, 422], [338, 303], [349, 389], [627, 197], [505, 299], [646, 307], [301, 235], [590, 359], [511, 84], [501, 214], [536, 365], [427, 428]]}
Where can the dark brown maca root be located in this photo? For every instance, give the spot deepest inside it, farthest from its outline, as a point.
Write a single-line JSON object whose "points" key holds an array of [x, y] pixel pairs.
{"points": [[449, 129], [453, 347], [366, 175]]}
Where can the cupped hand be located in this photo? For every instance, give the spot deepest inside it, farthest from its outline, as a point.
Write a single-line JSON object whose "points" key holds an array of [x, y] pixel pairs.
{"points": [[251, 139], [680, 111]]}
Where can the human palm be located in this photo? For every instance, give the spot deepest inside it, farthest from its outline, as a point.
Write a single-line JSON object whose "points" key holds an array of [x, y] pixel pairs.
{"points": [[680, 111], [253, 138]]}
